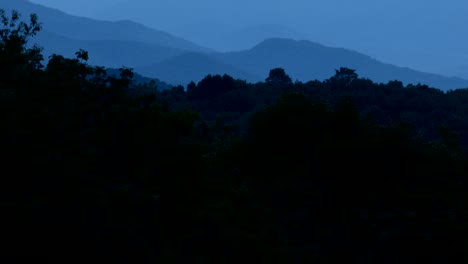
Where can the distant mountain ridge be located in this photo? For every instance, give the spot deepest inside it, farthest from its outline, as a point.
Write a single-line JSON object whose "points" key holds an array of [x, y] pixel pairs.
{"points": [[81, 28], [109, 53], [306, 60], [427, 35], [188, 67], [157, 54], [302, 60]]}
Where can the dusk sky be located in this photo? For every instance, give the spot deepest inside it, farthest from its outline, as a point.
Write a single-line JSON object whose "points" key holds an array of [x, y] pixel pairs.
{"points": [[390, 30]]}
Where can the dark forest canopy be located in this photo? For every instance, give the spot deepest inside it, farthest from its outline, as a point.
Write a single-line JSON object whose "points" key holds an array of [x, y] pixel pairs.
{"points": [[97, 166]]}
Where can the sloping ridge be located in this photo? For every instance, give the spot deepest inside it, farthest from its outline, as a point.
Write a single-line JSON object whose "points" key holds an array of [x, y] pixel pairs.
{"points": [[192, 67], [302, 60], [175, 60], [82, 28], [108, 53], [305, 60]]}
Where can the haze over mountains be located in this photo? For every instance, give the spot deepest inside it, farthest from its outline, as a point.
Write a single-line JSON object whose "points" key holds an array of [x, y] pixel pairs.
{"points": [[303, 60], [158, 54], [427, 35]]}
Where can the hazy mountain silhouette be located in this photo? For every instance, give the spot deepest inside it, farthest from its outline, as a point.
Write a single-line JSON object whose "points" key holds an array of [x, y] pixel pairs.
{"points": [[109, 53], [302, 60], [189, 67], [81, 28], [160, 55], [248, 37], [305, 60], [140, 79], [427, 35]]}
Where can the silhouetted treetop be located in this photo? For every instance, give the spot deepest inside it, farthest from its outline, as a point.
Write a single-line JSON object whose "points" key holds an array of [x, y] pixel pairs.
{"points": [[278, 76]]}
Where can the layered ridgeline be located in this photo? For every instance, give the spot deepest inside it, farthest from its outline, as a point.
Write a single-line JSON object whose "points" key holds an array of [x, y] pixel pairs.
{"points": [[112, 44], [303, 60], [306, 60], [157, 54], [429, 36]]}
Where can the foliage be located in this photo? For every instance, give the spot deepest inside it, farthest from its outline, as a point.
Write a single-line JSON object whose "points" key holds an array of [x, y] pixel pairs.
{"points": [[224, 171], [279, 76]]}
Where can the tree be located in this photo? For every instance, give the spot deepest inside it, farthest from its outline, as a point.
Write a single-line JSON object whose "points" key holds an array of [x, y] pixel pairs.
{"points": [[343, 77], [16, 60], [346, 73], [82, 55], [278, 76], [211, 87]]}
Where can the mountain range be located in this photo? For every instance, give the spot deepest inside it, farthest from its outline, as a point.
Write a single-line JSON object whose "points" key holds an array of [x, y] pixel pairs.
{"points": [[427, 35], [81, 28], [157, 54]]}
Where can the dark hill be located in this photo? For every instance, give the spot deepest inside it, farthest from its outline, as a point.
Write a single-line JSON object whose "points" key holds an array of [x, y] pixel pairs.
{"points": [[302, 60], [109, 53], [305, 60], [193, 67], [82, 28]]}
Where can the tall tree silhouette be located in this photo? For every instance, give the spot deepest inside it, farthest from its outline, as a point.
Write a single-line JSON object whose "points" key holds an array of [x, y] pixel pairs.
{"points": [[278, 76]]}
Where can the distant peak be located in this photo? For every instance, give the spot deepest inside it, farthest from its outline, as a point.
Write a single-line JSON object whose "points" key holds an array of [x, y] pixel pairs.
{"points": [[277, 40], [282, 42], [126, 21]]}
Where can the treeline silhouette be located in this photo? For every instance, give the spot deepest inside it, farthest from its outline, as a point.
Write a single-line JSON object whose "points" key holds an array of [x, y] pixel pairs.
{"points": [[100, 168]]}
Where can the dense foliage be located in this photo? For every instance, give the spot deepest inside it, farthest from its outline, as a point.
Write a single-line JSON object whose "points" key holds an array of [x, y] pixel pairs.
{"points": [[99, 168]]}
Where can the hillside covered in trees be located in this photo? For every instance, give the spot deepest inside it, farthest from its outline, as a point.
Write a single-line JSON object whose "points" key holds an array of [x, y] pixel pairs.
{"points": [[105, 168]]}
